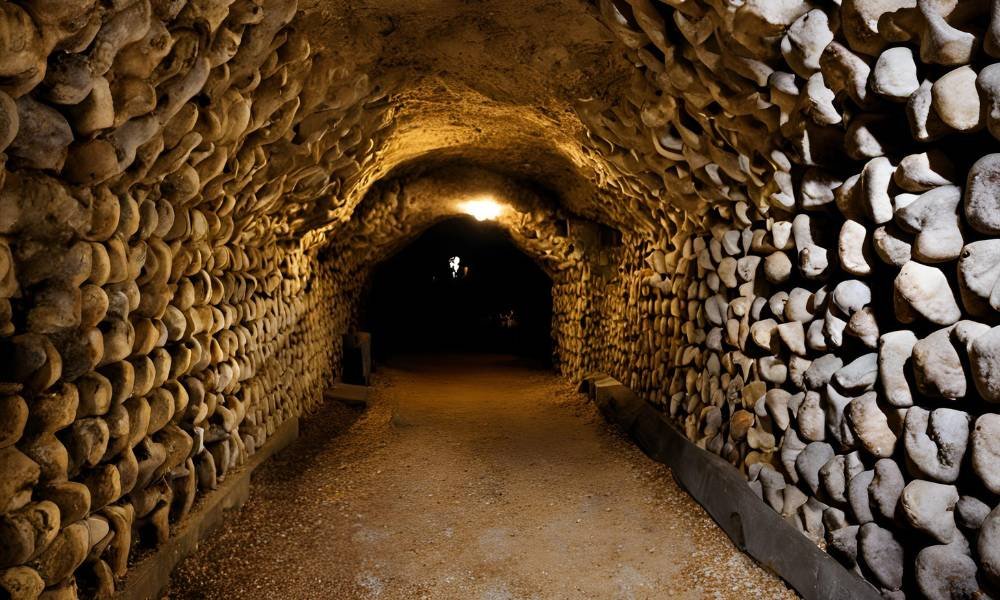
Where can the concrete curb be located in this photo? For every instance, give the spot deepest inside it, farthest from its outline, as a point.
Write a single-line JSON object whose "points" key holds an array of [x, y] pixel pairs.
{"points": [[354, 396], [723, 492], [148, 579]]}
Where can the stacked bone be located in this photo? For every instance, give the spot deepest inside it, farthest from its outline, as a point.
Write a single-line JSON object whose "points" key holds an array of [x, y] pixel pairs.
{"points": [[155, 156], [575, 301], [642, 320], [836, 168]]}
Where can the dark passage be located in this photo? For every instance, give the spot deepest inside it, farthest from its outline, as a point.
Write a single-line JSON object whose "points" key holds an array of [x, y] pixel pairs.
{"points": [[493, 298]]}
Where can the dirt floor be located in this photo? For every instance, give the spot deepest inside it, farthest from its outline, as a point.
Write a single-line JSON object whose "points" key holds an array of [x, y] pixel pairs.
{"points": [[468, 478]]}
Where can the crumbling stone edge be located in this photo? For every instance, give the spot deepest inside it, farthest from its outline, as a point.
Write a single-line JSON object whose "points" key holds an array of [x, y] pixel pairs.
{"points": [[723, 492], [149, 578]]}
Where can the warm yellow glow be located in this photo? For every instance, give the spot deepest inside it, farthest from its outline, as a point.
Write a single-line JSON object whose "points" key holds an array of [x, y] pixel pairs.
{"points": [[483, 209]]}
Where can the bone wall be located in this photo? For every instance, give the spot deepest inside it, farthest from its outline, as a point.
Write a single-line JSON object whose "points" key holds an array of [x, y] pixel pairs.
{"points": [[815, 304], [103, 451], [159, 318]]}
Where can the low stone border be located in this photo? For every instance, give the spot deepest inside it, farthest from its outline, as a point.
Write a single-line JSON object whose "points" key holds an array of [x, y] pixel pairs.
{"points": [[149, 578], [354, 396], [725, 495]]}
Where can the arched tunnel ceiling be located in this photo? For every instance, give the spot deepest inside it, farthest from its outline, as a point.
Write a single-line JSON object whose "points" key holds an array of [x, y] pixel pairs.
{"points": [[397, 210], [282, 115], [492, 84]]}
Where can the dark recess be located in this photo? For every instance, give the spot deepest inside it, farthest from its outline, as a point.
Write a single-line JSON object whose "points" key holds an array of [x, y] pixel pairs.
{"points": [[414, 304]]}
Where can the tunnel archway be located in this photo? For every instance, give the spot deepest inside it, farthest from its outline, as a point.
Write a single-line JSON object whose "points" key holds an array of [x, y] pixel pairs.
{"points": [[461, 286], [573, 251]]}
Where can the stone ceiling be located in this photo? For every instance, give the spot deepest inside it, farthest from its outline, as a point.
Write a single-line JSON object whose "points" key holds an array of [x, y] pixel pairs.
{"points": [[488, 84]]}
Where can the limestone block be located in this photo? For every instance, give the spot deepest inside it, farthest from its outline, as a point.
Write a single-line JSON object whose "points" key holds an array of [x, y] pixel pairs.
{"points": [[18, 475], [923, 291], [936, 442], [986, 451]]}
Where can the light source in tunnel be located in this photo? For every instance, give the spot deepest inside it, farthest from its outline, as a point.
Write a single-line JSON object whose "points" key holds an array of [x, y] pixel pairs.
{"points": [[453, 264], [483, 209]]}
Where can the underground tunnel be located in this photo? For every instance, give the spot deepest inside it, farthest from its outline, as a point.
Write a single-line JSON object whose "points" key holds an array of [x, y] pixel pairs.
{"points": [[759, 238]]}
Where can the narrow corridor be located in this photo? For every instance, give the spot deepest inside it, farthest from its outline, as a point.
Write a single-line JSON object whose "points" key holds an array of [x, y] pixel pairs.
{"points": [[468, 478]]}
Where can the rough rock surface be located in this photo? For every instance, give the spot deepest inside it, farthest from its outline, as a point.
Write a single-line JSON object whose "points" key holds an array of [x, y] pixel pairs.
{"points": [[929, 507]]}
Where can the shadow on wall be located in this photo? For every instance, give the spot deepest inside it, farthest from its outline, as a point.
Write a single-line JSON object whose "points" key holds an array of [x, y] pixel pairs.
{"points": [[462, 286]]}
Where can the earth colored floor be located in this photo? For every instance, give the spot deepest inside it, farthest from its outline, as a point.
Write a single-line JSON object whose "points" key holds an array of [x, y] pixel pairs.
{"points": [[468, 478]]}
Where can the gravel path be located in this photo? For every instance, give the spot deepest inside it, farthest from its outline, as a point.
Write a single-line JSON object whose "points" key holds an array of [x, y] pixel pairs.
{"points": [[468, 478]]}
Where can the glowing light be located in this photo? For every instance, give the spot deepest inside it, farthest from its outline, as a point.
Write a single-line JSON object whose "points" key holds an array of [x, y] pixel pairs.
{"points": [[483, 209], [453, 264]]}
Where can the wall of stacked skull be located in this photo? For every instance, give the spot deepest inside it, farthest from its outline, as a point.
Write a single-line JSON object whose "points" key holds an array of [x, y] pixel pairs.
{"points": [[808, 196]]}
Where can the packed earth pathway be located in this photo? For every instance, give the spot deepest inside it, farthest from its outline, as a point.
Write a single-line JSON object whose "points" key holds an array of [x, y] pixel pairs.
{"points": [[468, 478]]}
